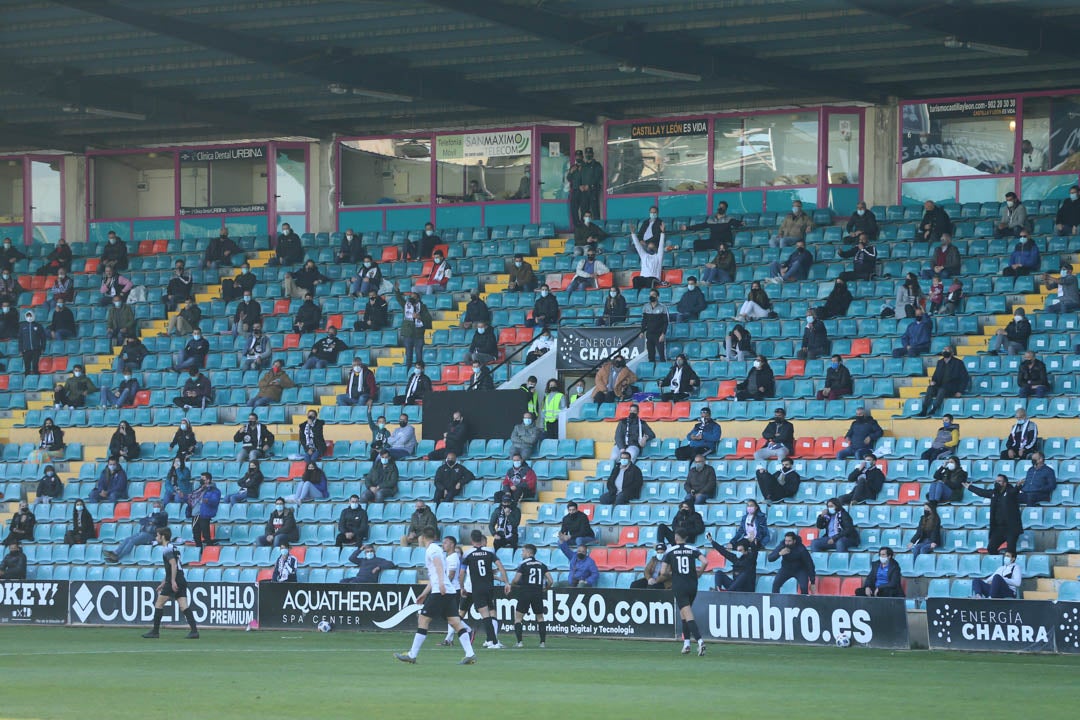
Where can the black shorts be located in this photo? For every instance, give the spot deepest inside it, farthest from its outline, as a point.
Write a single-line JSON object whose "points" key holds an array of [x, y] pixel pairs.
{"points": [[439, 606], [684, 595], [483, 598], [530, 600], [465, 602], [181, 590]]}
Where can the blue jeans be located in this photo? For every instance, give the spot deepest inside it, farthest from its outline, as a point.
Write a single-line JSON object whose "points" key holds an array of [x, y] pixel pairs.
{"points": [[128, 544], [913, 351], [855, 452], [369, 495], [1062, 307], [715, 275], [802, 579], [794, 272], [397, 453], [311, 456], [922, 548], [186, 362], [347, 401], [737, 584], [307, 491], [171, 496], [414, 350], [127, 397], [821, 544], [581, 541], [314, 363], [698, 499], [939, 492], [581, 283], [111, 497], [1038, 391], [997, 588], [782, 242], [610, 498], [237, 497], [362, 287], [259, 401], [1002, 342]]}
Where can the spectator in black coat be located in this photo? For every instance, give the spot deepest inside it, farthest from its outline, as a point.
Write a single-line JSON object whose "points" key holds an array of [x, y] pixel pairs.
{"points": [[308, 317], [1067, 220], [1014, 336], [760, 383], [325, 352], [545, 310], [13, 566], [795, 562], [115, 254], [884, 578], [21, 528], [352, 248], [352, 524], [9, 321], [1006, 522], [935, 222], [196, 391], [63, 325], [1032, 377], [179, 288], [868, 480], [863, 222], [303, 282], [312, 440], [837, 302], [484, 347], [742, 576], [687, 522], [838, 531], [31, 343], [815, 340], [680, 382], [692, 303], [50, 487], [779, 485], [82, 526], [288, 250], [418, 386], [237, 287], [376, 315], [221, 251], [476, 311], [456, 438], [865, 260], [615, 310], [575, 528], [623, 484], [838, 382], [451, 479], [248, 314], [59, 259], [950, 379]]}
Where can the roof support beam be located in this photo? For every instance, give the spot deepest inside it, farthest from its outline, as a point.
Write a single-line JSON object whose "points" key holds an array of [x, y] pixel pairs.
{"points": [[38, 137]]}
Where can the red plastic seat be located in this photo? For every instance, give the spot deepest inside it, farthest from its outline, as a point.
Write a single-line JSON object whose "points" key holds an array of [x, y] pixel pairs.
{"points": [[210, 554], [748, 446], [335, 321], [628, 536], [716, 560], [859, 346], [589, 509], [808, 535], [292, 340], [827, 586], [60, 364], [508, 336], [264, 574], [601, 556], [4, 382], [622, 410], [605, 282], [910, 492], [443, 248], [726, 390], [451, 373], [142, 398], [825, 447], [636, 558], [161, 247], [652, 411], [152, 489], [524, 335], [848, 586], [680, 410], [146, 247], [45, 365], [465, 374], [122, 510], [390, 253], [92, 265], [616, 558], [794, 368], [804, 447], [281, 307], [299, 552], [674, 277], [297, 468]]}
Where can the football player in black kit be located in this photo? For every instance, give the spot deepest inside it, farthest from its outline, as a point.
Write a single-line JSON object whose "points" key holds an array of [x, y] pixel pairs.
{"points": [[684, 565], [532, 579], [174, 587], [482, 563]]}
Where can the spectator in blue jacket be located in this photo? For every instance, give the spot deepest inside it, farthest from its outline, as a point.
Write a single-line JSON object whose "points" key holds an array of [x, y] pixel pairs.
{"points": [[692, 303], [312, 485], [111, 484], [370, 565], [795, 268], [1025, 258], [148, 527], [177, 485], [702, 438], [795, 562], [194, 353], [123, 395], [753, 528], [916, 338], [1039, 483], [204, 506], [862, 436], [583, 570]]}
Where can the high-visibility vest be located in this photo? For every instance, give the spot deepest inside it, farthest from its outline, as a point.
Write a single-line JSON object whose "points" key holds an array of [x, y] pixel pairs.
{"points": [[531, 407], [552, 406]]}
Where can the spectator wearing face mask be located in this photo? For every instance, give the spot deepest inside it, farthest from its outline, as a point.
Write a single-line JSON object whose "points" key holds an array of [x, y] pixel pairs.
{"points": [[1003, 584], [112, 483], [504, 523], [582, 571], [193, 356], [115, 255], [50, 487], [32, 341], [721, 227], [1032, 378], [312, 442], [303, 282], [779, 435], [375, 315], [614, 381], [21, 528], [1006, 520], [1023, 439], [722, 268], [352, 524], [680, 382], [285, 566], [949, 482], [422, 248], [236, 287], [838, 382], [256, 352], [916, 338], [743, 574], [838, 529], [221, 251], [760, 382], [272, 385], [1067, 220], [476, 312], [700, 484], [381, 482], [288, 249], [148, 527], [184, 441], [588, 272], [815, 340], [795, 268], [526, 437], [450, 479], [864, 264], [1038, 484], [946, 262], [945, 441], [1025, 258], [368, 278], [868, 482], [187, 320], [9, 255], [248, 484], [927, 537], [837, 302], [255, 440], [650, 579], [650, 249], [75, 390], [113, 285], [455, 439], [248, 314], [178, 289], [781, 484], [402, 441], [884, 578], [63, 325], [438, 277], [687, 523], [1068, 295], [416, 388], [795, 562], [862, 435], [58, 260], [702, 439], [325, 352], [545, 311], [793, 228], [624, 483], [202, 508], [615, 311], [177, 484], [482, 377], [863, 222], [654, 323], [935, 222], [120, 322], [370, 566], [752, 528], [484, 347], [360, 387], [62, 290], [351, 249], [1014, 336], [519, 483], [588, 234], [631, 435], [1014, 217], [280, 528], [415, 320], [124, 444], [312, 485], [9, 321], [555, 400], [522, 276], [82, 526], [308, 316], [692, 303], [950, 380]]}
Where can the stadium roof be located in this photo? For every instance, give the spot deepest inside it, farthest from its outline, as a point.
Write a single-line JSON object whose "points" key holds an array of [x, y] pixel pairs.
{"points": [[97, 73]]}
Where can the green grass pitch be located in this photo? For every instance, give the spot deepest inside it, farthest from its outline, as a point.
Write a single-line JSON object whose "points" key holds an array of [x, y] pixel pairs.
{"points": [[114, 674]]}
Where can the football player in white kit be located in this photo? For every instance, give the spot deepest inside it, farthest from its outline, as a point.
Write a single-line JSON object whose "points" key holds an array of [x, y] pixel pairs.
{"points": [[454, 572]]}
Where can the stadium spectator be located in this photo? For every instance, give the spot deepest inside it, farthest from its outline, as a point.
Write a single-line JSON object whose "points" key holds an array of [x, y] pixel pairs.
{"points": [[1032, 378], [949, 482], [927, 537], [793, 227], [248, 484], [57, 261], [236, 287], [115, 254], [504, 522], [415, 320], [720, 227], [360, 387], [375, 316], [575, 528], [680, 382], [1006, 522], [111, 485], [62, 326], [308, 316], [795, 268], [588, 272], [62, 289], [862, 435], [248, 314], [422, 247], [935, 299], [380, 435], [650, 249], [631, 434], [935, 222], [702, 438], [779, 436], [721, 269], [418, 386], [325, 352], [272, 385], [312, 440], [352, 524], [864, 264], [202, 508], [381, 482], [21, 527], [177, 484], [752, 528], [1014, 217], [916, 338], [367, 279], [582, 571], [1032, 159], [422, 519], [402, 441], [1039, 483], [31, 342], [654, 323], [795, 562], [484, 347], [450, 479], [455, 438], [541, 345], [187, 320], [178, 289], [950, 380], [438, 276], [476, 311], [781, 484], [9, 322], [351, 249], [10, 288], [148, 527], [193, 356], [221, 251], [284, 570], [312, 485], [256, 352], [838, 529], [1025, 258], [954, 296], [50, 443], [184, 441], [519, 483], [255, 439], [868, 482], [123, 444], [946, 261], [759, 384], [131, 355], [623, 484], [687, 522], [650, 576], [1023, 438], [50, 487], [815, 339], [82, 526], [692, 303], [13, 566], [757, 305], [554, 402], [738, 345], [288, 248], [588, 234], [614, 381], [945, 441], [74, 391], [369, 565], [522, 277], [1003, 583], [280, 528], [863, 222], [1068, 295], [838, 382], [837, 302], [615, 310], [1067, 220], [743, 574], [700, 484], [884, 578], [591, 179], [1014, 336]]}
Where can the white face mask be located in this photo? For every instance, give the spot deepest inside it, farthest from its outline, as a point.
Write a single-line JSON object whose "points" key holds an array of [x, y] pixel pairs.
{"points": [[437, 261], [247, 298], [588, 220], [613, 294], [809, 319], [624, 462], [517, 463], [795, 209], [1010, 203], [884, 559], [757, 365], [369, 555], [384, 460], [860, 212], [526, 421], [1074, 196], [543, 293], [283, 552], [77, 373], [750, 510], [349, 235], [691, 286], [126, 378], [1017, 318], [952, 466], [196, 336], [481, 330], [517, 263], [353, 506], [117, 304]]}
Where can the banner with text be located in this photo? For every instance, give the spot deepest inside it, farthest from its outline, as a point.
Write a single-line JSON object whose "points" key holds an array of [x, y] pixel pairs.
{"points": [[668, 128], [581, 348], [132, 603], [998, 625], [33, 602], [509, 143], [802, 619], [225, 154], [223, 209]]}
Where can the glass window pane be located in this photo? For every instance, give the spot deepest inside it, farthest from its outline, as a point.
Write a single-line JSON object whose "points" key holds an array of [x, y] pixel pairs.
{"points": [[766, 150], [845, 142], [483, 166], [554, 164], [291, 178], [45, 191], [1051, 139], [136, 185], [223, 180], [657, 157], [237, 183], [957, 139], [385, 171], [11, 191]]}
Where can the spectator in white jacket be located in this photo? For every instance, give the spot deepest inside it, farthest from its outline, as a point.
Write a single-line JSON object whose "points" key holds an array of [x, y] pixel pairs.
{"points": [[651, 252], [1003, 583]]}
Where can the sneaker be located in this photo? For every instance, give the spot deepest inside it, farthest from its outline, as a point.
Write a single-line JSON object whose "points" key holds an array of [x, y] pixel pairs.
{"points": [[701, 649], [519, 645], [487, 644], [403, 657], [193, 635], [151, 635], [686, 649], [446, 643], [495, 646], [468, 660], [543, 645]]}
